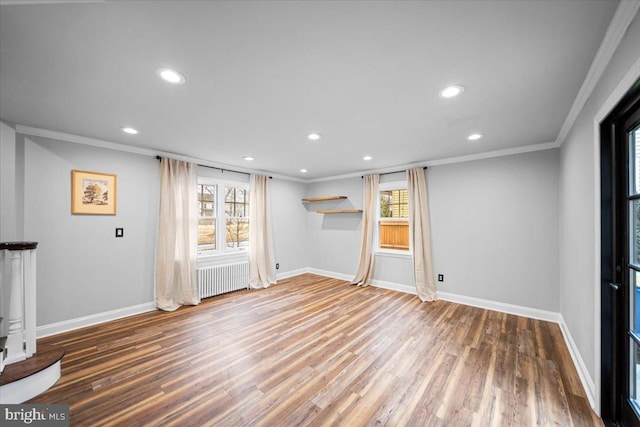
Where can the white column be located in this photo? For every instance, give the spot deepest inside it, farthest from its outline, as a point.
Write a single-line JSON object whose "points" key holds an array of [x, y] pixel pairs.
{"points": [[15, 337], [29, 283]]}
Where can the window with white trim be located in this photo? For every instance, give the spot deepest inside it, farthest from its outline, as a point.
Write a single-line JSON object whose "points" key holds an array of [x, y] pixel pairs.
{"points": [[393, 218], [223, 216]]}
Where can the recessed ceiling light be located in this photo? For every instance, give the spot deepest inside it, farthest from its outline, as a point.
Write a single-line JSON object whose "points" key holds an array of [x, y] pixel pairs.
{"points": [[170, 76], [451, 91], [475, 136], [367, 158], [248, 158], [313, 136], [129, 130], [303, 170]]}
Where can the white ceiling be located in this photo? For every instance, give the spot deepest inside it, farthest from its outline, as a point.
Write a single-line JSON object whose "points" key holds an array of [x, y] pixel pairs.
{"points": [[261, 75]]}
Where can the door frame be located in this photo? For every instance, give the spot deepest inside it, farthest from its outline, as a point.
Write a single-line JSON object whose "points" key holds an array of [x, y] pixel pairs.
{"points": [[593, 385], [613, 280]]}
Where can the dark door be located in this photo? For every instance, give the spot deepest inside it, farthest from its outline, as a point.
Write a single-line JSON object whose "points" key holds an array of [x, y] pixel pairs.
{"points": [[620, 285]]}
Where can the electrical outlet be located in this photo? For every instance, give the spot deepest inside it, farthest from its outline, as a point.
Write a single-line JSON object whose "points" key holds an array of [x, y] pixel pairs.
{"points": [[440, 277], [119, 232], [277, 265]]}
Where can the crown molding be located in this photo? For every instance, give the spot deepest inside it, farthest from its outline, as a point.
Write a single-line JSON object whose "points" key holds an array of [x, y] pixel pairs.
{"points": [[26, 2], [61, 136], [626, 11], [445, 161], [619, 92]]}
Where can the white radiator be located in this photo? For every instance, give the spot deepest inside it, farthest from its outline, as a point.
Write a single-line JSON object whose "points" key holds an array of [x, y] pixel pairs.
{"points": [[223, 278]]}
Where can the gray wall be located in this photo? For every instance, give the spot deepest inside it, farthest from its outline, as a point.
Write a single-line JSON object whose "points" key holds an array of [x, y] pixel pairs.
{"points": [[8, 223], [334, 239], [288, 218], [579, 175], [494, 228], [82, 268]]}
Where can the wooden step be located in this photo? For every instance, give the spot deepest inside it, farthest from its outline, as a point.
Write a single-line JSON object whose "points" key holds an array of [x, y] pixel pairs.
{"points": [[46, 356]]}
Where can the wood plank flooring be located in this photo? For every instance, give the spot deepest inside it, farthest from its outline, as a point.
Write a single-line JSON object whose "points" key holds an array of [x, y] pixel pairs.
{"points": [[317, 351]]}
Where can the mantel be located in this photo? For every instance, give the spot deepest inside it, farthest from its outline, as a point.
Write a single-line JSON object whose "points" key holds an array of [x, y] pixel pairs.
{"points": [[18, 246]]}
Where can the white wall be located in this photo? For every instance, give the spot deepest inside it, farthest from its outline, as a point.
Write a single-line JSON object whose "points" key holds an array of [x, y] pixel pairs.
{"points": [[82, 268], [578, 207]]}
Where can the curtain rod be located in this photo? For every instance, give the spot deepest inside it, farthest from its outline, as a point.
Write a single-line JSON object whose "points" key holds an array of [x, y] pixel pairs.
{"points": [[389, 173], [220, 169]]}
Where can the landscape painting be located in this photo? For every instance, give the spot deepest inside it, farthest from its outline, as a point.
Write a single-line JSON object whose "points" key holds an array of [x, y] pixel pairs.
{"points": [[93, 193]]}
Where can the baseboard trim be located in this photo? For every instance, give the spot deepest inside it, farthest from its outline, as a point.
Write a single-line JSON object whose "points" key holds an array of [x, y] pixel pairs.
{"points": [[518, 310], [407, 289], [587, 382], [292, 273], [93, 319], [332, 274]]}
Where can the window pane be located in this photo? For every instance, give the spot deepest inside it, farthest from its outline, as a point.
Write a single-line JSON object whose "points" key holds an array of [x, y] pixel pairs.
{"points": [[237, 232], [207, 233], [635, 160], [206, 200], [394, 235], [635, 232], [634, 302], [394, 204], [236, 202], [634, 377]]}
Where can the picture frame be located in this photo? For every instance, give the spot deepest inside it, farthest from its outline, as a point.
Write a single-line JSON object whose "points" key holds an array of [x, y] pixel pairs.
{"points": [[93, 193]]}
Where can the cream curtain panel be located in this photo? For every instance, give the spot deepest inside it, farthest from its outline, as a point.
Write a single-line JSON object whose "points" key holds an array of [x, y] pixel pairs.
{"points": [[176, 250], [261, 254], [365, 269], [420, 234]]}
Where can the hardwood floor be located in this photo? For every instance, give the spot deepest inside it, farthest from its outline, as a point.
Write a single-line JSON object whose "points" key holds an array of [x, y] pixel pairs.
{"points": [[317, 351]]}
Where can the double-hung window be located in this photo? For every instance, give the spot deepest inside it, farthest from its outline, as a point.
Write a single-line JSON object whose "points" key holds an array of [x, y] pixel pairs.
{"points": [[236, 211], [393, 217], [223, 216], [207, 217]]}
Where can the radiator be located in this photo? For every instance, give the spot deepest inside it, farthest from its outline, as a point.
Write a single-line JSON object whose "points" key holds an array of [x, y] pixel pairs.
{"points": [[221, 279]]}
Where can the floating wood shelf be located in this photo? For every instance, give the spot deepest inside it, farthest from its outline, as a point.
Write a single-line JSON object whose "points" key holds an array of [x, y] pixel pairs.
{"points": [[323, 199], [333, 211]]}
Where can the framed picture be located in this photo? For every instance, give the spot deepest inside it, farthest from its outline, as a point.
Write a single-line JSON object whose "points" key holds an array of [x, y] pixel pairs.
{"points": [[93, 193]]}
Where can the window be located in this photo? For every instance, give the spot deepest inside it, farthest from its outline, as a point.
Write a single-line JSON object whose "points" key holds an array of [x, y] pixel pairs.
{"points": [[219, 204], [236, 210], [393, 217], [207, 217]]}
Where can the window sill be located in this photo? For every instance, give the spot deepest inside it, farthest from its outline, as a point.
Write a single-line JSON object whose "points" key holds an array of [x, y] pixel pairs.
{"points": [[222, 258], [393, 254]]}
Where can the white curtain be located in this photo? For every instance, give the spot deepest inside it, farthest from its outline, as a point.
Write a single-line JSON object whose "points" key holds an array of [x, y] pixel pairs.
{"points": [[176, 250], [261, 254], [365, 269], [420, 234]]}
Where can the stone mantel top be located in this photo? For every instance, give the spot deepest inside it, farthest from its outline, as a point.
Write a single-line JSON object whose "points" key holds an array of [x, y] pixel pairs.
{"points": [[17, 246]]}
